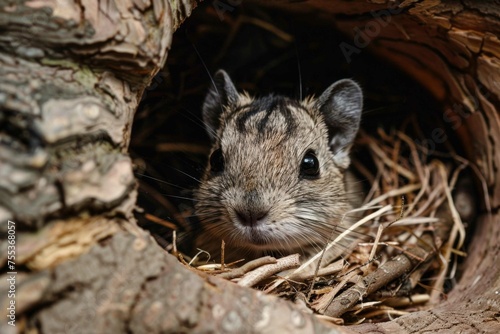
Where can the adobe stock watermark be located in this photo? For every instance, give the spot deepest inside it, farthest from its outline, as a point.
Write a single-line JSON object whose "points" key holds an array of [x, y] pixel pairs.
{"points": [[222, 7], [455, 117], [364, 36], [155, 82], [11, 273]]}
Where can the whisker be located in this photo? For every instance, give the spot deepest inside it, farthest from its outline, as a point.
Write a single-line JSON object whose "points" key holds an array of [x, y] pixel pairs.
{"points": [[187, 174], [299, 70], [158, 180], [213, 132]]}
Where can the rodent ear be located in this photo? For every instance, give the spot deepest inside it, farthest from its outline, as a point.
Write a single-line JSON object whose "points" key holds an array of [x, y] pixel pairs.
{"points": [[341, 105], [221, 95]]}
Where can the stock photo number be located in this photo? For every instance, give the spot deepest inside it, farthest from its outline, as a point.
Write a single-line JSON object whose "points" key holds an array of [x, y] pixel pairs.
{"points": [[11, 274]]}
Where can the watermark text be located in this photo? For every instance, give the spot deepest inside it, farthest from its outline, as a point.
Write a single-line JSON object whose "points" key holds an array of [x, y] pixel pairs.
{"points": [[11, 272]]}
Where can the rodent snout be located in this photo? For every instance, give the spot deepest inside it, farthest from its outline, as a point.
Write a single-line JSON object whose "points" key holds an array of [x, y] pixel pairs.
{"points": [[251, 210], [251, 217]]}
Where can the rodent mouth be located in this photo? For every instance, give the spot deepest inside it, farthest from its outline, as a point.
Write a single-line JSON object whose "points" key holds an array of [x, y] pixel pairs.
{"points": [[256, 238]]}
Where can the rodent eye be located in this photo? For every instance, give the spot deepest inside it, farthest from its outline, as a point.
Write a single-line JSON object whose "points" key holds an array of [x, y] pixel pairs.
{"points": [[216, 161], [309, 167]]}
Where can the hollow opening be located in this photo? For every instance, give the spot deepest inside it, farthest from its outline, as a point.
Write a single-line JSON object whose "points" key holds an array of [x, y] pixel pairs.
{"points": [[268, 51]]}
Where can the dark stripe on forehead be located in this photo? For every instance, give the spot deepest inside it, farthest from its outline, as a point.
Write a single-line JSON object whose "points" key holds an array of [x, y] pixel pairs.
{"points": [[268, 105]]}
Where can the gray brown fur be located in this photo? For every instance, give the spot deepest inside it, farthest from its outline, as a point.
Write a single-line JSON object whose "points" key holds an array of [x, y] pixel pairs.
{"points": [[261, 202]]}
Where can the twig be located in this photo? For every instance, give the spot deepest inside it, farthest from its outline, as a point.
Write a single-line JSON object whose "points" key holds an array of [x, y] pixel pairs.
{"points": [[263, 272], [387, 272], [195, 257], [393, 193], [336, 321], [326, 271], [323, 303], [222, 250], [381, 228], [385, 312], [181, 258], [425, 189], [238, 272], [407, 301], [456, 229], [363, 306], [215, 267], [414, 154], [174, 243], [160, 221], [401, 170]]}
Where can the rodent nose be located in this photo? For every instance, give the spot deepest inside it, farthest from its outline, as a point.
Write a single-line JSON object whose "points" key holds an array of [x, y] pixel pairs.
{"points": [[250, 217]]}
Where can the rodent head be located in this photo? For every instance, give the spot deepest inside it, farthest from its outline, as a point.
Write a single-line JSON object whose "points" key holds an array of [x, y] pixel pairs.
{"points": [[275, 179]]}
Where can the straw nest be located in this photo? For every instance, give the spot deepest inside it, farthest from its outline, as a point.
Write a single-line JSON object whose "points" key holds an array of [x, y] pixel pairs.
{"points": [[406, 248]]}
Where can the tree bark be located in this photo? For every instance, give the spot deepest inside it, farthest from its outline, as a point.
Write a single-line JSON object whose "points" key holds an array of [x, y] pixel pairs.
{"points": [[71, 76]]}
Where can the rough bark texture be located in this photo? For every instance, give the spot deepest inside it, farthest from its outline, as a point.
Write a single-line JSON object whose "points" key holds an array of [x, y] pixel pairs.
{"points": [[71, 76], [113, 289]]}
